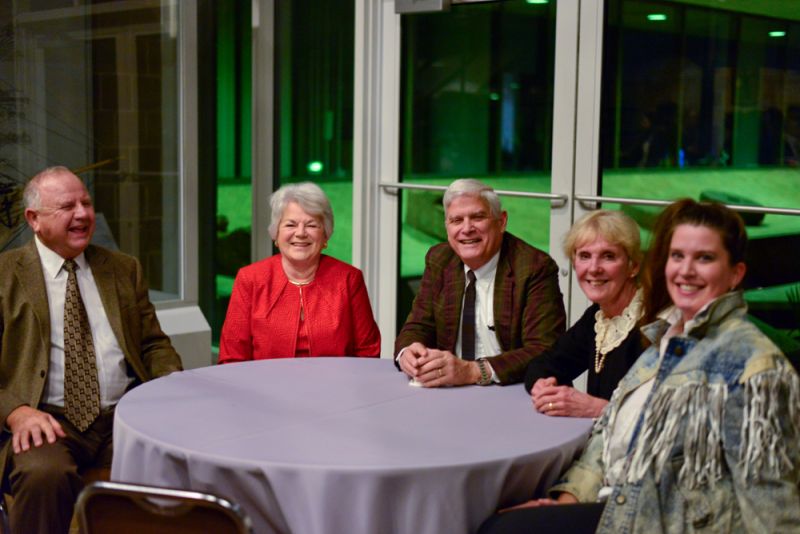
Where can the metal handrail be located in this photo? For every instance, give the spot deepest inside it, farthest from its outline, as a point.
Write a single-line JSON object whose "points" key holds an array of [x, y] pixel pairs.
{"points": [[559, 200], [555, 199], [645, 202]]}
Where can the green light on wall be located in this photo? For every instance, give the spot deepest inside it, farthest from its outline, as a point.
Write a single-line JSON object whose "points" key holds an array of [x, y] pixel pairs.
{"points": [[656, 17], [537, 2], [777, 33], [315, 167], [494, 96]]}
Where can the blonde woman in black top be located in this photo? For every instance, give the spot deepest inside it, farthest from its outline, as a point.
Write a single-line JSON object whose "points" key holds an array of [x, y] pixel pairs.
{"points": [[604, 247]]}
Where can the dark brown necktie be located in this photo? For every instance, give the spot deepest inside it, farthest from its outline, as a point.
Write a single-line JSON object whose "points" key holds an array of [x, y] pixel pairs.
{"points": [[81, 388], [468, 320]]}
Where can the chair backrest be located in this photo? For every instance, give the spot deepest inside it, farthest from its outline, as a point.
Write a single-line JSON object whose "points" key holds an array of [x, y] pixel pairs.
{"points": [[117, 508]]}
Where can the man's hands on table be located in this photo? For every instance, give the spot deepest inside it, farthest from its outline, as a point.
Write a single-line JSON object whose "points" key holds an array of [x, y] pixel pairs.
{"points": [[435, 368]]}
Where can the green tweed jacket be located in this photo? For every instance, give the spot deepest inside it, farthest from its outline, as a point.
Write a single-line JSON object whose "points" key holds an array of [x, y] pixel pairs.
{"points": [[528, 306], [25, 325]]}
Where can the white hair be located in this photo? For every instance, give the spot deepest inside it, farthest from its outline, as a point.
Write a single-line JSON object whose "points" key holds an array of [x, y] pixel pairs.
{"points": [[475, 188], [309, 196], [31, 196]]}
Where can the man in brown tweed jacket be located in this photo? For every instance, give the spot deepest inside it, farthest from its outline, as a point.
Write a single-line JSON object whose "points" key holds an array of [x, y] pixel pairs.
{"points": [[518, 311], [43, 449]]}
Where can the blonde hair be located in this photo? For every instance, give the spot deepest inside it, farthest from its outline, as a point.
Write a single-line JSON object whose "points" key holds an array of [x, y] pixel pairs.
{"points": [[613, 226]]}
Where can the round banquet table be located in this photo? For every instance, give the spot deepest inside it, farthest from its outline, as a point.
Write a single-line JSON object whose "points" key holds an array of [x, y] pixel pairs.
{"points": [[341, 445]]}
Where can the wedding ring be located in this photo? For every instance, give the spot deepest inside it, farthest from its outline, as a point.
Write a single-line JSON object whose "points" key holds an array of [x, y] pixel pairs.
{"points": [[441, 374], [549, 405]]}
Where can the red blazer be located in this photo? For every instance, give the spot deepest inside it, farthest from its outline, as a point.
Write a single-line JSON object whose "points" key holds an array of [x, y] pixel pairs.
{"points": [[264, 313]]}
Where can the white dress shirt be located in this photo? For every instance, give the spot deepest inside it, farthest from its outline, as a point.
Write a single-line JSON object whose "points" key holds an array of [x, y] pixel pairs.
{"points": [[486, 343], [111, 368]]}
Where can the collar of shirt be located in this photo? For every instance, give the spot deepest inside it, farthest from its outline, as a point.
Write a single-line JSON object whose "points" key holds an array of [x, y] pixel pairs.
{"points": [[674, 317], [486, 272], [52, 262]]}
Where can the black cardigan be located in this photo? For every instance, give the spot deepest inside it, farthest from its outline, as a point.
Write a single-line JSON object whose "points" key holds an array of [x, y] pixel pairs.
{"points": [[574, 352]]}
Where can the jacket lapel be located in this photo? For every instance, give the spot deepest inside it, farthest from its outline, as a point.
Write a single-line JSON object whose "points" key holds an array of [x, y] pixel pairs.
{"points": [[105, 279], [504, 297], [454, 295], [31, 278]]}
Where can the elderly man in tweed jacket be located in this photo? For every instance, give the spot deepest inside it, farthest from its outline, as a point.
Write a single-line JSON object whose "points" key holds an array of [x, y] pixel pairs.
{"points": [[48, 436], [515, 310]]}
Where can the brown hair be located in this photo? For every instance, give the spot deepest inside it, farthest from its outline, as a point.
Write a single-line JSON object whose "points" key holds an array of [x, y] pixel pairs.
{"points": [[713, 215]]}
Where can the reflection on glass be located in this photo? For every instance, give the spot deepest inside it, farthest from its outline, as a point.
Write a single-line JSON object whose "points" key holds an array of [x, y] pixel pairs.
{"points": [[705, 103], [699, 88], [477, 99], [94, 88]]}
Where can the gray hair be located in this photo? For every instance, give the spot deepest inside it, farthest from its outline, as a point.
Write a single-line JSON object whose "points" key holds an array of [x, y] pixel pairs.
{"points": [[31, 196], [475, 188], [614, 226], [309, 196]]}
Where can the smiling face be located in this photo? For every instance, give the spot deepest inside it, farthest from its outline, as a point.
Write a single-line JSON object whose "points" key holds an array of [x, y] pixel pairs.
{"points": [[64, 221], [606, 274], [473, 233], [300, 237], [698, 269]]}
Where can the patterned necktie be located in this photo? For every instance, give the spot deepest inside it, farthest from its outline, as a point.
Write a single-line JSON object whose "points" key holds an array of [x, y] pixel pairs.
{"points": [[468, 320], [81, 388]]}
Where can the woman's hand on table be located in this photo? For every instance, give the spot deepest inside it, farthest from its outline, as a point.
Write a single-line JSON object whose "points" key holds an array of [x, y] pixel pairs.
{"points": [[564, 401]]}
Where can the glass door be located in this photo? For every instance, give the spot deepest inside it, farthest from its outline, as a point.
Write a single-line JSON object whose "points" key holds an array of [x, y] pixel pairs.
{"points": [[476, 101]]}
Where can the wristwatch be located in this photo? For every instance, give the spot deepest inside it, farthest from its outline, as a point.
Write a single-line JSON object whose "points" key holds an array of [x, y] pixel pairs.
{"points": [[486, 373]]}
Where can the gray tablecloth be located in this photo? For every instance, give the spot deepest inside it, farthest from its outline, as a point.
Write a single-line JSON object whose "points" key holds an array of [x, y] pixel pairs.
{"points": [[341, 445]]}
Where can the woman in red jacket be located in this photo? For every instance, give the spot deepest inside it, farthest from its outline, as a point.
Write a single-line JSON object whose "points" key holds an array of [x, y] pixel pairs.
{"points": [[299, 302]]}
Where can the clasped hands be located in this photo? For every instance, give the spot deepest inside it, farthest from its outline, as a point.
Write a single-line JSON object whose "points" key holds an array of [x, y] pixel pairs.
{"points": [[565, 401], [435, 368], [29, 425]]}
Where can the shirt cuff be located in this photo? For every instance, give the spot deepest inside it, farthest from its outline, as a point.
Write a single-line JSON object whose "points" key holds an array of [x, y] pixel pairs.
{"points": [[397, 358], [495, 379]]}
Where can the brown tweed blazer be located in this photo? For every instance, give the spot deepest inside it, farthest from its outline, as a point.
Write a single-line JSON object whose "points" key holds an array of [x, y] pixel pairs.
{"points": [[528, 306], [25, 325]]}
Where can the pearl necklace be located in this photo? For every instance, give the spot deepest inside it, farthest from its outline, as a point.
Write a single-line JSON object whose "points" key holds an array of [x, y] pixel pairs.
{"points": [[611, 332]]}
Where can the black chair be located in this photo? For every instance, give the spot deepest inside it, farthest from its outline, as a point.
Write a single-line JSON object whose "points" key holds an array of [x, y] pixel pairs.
{"points": [[5, 527], [117, 508]]}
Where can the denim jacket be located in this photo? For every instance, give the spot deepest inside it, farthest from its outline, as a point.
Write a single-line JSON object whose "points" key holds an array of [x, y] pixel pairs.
{"points": [[717, 445]]}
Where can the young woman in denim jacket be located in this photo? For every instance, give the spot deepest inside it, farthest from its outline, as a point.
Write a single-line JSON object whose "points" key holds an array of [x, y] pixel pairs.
{"points": [[703, 433]]}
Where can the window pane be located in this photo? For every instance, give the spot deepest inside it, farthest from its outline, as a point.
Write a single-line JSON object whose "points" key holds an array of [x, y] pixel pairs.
{"points": [[94, 88], [314, 105], [705, 103], [477, 100]]}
